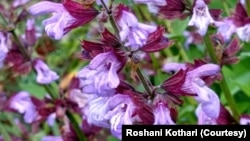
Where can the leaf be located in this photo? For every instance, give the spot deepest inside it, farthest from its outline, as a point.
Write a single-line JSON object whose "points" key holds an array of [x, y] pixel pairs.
{"points": [[179, 27]]}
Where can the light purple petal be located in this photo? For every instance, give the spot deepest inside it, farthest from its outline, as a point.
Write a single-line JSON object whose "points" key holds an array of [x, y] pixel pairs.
{"points": [[52, 138], [51, 119], [45, 7], [205, 70], [201, 17], [203, 119], [22, 103], [245, 120], [162, 115], [173, 67], [44, 74]]}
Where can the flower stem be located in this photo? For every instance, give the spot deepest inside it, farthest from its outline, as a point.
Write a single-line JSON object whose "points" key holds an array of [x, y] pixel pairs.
{"points": [[3, 132], [248, 7], [76, 127], [144, 82], [111, 19], [225, 5], [223, 83], [142, 78], [20, 45]]}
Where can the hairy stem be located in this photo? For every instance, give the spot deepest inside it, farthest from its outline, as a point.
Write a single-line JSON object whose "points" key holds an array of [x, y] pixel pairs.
{"points": [[223, 83], [144, 82], [138, 71]]}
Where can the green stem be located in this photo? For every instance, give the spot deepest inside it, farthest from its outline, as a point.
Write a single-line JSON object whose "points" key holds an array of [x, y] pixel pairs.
{"points": [[225, 5], [111, 19], [76, 127], [179, 45], [182, 52], [223, 83], [4, 133], [210, 48], [248, 7], [20, 46], [144, 82], [50, 91]]}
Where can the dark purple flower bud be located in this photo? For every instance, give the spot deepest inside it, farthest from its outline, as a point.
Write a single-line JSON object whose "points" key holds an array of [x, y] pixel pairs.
{"points": [[16, 61], [173, 9], [30, 32], [108, 42], [156, 41], [225, 118]]}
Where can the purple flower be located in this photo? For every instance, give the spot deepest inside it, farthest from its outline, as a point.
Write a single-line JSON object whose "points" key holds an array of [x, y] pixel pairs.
{"points": [[245, 120], [23, 104], [79, 98], [55, 25], [244, 33], [100, 76], [65, 16], [226, 28], [162, 115], [96, 110], [30, 32], [17, 3], [44, 74], [121, 112], [98, 2], [4, 47], [52, 138], [201, 17], [154, 2], [208, 109], [133, 33], [242, 2], [203, 118], [173, 67], [51, 119], [194, 84]]}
